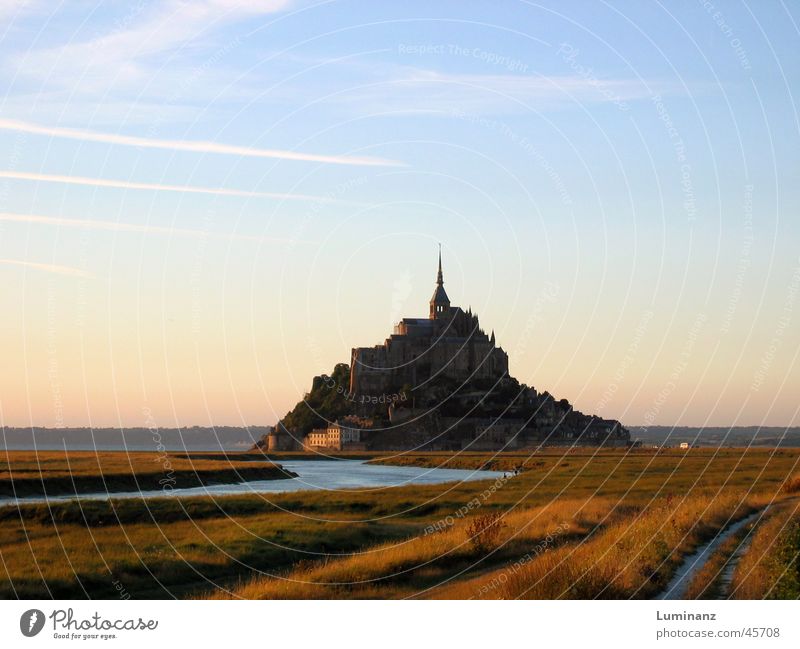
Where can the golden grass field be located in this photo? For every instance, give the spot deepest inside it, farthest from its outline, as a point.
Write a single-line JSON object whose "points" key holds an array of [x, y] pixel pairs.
{"points": [[770, 568], [30, 473], [573, 524]]}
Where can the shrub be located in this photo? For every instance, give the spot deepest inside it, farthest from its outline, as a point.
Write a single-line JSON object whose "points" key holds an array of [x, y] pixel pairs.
{"points": [[792, 485], [484, 531]]}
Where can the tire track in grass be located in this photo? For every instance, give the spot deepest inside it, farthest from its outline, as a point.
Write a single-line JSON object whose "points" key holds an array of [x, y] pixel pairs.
{"points": [[676, 588]]}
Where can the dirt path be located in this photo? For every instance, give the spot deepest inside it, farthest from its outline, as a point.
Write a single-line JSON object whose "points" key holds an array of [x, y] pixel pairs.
{"points": [[676, 589], [726, 576]]}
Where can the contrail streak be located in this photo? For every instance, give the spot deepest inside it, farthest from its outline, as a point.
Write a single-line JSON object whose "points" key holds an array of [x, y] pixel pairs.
{"points": [[128, 184], [192, 145], [48, 268], [115, 226]]}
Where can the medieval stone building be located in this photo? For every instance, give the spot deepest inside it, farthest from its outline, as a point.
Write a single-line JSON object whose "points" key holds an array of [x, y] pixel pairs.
{"points": [[449, 343], [437, 383]]}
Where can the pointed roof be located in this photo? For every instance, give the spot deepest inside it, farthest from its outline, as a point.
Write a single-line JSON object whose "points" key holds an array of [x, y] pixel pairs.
{"points": [[440, 295]]}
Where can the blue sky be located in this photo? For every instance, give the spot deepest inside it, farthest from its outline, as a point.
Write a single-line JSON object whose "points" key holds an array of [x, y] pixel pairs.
{"points": [[204, 204]]}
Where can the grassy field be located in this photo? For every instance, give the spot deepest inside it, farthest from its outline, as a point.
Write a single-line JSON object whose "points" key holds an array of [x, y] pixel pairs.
{"points": [[632, 557], [53, 473], [707, 582], [572, 524], [771, 567]]}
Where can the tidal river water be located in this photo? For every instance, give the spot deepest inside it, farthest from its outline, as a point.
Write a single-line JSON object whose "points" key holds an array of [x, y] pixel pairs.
{"points": [[329, 475]]}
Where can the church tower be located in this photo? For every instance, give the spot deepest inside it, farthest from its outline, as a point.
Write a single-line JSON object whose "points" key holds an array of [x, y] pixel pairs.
{"points": [[440, 303]]}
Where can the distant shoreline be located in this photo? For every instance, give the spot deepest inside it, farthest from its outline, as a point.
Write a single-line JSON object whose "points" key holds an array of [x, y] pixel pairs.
{"points": [[718, 436], [233, 439]]}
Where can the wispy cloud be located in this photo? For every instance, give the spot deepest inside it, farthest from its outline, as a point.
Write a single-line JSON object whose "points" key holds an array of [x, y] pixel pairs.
{"points": [[416, 90], [188, 189], [12, 8], [115, 226], [47, 268], [65, 106], [119, 49], [190, 145], [164, 61]]}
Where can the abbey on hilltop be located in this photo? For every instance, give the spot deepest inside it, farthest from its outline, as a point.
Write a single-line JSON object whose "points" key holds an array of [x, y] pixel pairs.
{"points": [[437, 383], [448, 344]]}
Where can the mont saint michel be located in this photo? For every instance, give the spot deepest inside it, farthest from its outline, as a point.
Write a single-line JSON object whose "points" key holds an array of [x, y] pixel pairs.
{"points": [[436, 383], [236, 365]]}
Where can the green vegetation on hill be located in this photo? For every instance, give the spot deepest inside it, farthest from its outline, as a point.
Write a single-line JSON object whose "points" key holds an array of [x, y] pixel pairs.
{"points": [[327, 401], [539, 416]]}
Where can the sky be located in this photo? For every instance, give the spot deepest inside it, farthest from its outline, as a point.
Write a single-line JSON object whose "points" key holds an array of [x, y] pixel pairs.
{"points": [[204, 204]]}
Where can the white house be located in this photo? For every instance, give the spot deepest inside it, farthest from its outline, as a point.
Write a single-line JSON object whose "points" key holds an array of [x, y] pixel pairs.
{"points": [[335, 436]]}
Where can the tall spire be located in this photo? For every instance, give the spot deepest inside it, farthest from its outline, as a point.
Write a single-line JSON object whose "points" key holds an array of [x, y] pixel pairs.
{"points": [[440, 303]]}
